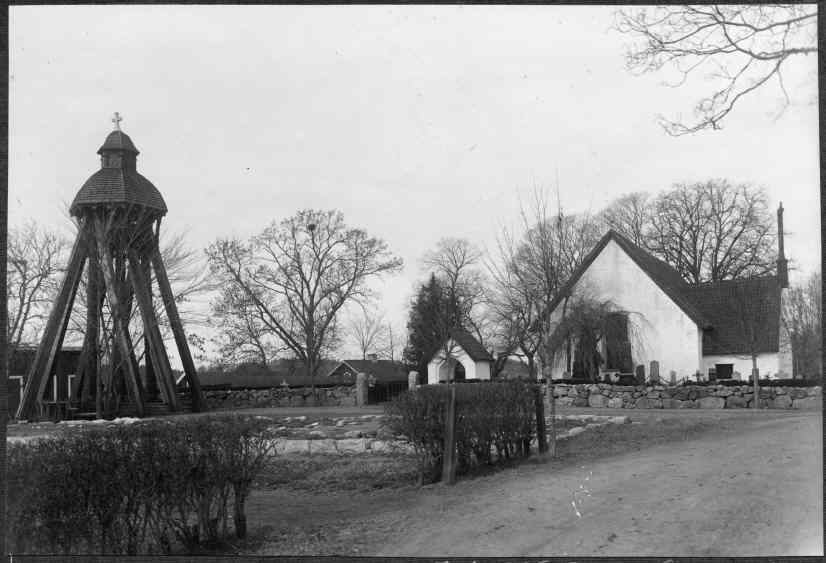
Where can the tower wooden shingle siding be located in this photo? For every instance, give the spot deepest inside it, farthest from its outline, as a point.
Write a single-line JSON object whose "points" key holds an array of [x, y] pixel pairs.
{"points": [[119, 213]]}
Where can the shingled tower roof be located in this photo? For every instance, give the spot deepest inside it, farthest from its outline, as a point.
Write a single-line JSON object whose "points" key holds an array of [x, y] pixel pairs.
{"points": [[117, 182], [118, 140]]}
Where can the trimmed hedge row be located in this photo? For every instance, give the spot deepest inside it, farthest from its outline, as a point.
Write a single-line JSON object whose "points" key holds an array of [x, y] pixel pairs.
{"points": [[494, 416], [144, 488]]}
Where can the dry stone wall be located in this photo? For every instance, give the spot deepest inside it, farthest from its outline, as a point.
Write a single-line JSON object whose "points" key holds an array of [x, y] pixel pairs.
{"points": [[685, 397], [340, 396]]}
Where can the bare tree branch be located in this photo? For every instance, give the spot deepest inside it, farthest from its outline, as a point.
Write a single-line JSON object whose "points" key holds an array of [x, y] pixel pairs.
{"points": [[755, 40]]}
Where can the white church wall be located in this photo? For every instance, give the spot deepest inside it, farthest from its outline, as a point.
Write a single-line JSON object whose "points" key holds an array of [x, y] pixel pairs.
{"points": [[661, 330]]}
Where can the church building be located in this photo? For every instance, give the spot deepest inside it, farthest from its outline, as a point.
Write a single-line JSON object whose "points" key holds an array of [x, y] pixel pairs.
{"points": [[707, 331]]}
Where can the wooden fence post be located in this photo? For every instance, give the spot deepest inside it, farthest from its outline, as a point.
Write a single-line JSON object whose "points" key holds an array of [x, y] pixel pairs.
{"points": [[541, 433], [755, 376], [449, 456]]}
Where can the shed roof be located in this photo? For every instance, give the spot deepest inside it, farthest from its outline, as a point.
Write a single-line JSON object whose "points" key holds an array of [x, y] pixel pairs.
{"points": [[470, 345]]}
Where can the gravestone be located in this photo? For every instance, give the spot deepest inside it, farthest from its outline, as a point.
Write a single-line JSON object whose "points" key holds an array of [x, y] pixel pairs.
{"points": [[639, 375], [361, 389], [655, 372]]}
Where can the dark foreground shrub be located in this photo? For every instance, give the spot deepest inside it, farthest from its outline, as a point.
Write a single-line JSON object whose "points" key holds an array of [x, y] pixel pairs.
{"points": [[142, 488], [491, 417]]}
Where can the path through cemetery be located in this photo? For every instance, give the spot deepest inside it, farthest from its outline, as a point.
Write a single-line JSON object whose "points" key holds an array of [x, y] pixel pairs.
{"points": [[752, 489]]}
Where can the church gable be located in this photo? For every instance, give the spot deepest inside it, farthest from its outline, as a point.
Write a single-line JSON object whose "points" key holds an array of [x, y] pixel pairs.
{"points": [[625, 261]]}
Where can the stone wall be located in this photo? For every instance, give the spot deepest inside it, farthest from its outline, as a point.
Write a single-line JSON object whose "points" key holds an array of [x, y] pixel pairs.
{"points": [[340, 396], [685, 397]]}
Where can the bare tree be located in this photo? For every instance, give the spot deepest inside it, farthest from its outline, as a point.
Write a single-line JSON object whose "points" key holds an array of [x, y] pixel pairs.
{"points": [[713, 231], [531, 267], [369, 332], [396, 340], [299, 273], [243, 334], [36, 259], [738, 48], [456, 263], [631, 216], [803, 322]]}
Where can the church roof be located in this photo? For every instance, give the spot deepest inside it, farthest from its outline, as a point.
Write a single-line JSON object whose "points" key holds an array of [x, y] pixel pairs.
{"points": [[119, 184], [723, 310], [734, 308]]}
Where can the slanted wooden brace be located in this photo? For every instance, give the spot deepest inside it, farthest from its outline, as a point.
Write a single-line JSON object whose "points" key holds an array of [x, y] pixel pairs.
{"points": [[118, 213]]}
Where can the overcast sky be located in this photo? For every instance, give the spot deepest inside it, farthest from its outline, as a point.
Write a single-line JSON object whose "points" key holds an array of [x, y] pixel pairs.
{"points": [[417, 122]]}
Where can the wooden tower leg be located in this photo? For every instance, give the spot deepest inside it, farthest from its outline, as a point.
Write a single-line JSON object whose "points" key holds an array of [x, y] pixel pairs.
{"points": [[128, 300], [157, 352], [152, 390], [53, 334], [151, 383], [120, 326], [87, 364], [177, 328], [94, 304]]}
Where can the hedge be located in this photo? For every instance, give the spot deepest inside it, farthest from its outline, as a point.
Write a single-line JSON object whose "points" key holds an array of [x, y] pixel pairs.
{"points": [[149, 487], [491, 416]]}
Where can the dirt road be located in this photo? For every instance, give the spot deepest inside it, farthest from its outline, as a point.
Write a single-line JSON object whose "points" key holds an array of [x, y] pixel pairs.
{"points": [[754, 489]]}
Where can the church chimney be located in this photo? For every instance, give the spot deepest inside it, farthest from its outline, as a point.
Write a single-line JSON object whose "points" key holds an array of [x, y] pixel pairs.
{"points": [[782, 263]]}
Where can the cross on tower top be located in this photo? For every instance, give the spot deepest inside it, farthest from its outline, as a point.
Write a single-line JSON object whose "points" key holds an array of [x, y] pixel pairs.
{"points": [[116, 120]]}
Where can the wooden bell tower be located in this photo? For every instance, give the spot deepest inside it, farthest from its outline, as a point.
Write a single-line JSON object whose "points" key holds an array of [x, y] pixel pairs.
{"points": [[118, 213]]}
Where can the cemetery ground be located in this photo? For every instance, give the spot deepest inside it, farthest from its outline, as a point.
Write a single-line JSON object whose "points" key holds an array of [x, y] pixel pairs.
{"points": [[673, 482]]}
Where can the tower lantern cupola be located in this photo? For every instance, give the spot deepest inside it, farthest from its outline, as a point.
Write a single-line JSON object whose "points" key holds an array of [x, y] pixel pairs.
{"points": [[118, 182]]}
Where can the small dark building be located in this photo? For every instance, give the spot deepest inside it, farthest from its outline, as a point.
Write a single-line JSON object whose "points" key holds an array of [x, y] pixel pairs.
{"points": [[385, 379], [59, 388]]}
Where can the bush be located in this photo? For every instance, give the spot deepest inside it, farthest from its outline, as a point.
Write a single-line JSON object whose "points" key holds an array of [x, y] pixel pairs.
{"points": [[142, 488], [498, 416]]}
